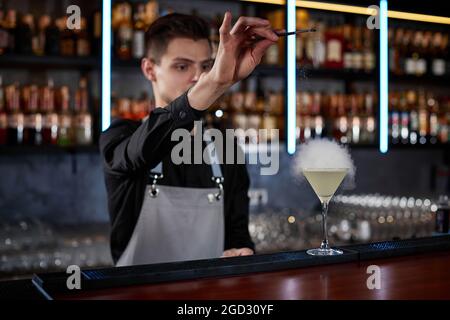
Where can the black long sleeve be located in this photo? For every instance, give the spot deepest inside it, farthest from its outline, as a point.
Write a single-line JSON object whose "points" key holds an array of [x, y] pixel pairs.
{"points": [[130, 149], [147, 145]]}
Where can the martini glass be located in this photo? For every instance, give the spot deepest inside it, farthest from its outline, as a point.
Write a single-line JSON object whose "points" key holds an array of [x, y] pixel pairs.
{"points": [[324, 183]]}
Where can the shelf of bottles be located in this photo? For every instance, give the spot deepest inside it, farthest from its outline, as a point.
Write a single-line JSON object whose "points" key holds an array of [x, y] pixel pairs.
{"points": [[419, 103], [342, 49], [43, 115], [347, 118]]}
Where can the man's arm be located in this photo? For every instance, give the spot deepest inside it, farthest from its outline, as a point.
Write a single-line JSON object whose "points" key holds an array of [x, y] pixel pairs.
{"points": [[235, 60], [126, 150]]}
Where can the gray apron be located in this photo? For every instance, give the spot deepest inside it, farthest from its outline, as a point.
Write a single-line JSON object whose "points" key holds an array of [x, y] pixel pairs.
{"points": [[177, 223]]}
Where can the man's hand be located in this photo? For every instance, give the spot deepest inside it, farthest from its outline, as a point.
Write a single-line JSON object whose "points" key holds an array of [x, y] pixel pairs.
{"points": [[237, 252], [238, 54]]}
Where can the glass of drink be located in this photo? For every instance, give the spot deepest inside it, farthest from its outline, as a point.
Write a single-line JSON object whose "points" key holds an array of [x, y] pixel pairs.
{"points": [[324, 183]]}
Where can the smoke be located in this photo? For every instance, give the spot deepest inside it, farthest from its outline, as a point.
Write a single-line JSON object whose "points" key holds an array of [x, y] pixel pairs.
{"points": [[324, 154]]}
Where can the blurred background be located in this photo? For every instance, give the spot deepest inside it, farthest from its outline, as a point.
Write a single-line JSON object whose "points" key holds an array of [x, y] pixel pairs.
{"points": [[52, 197]]}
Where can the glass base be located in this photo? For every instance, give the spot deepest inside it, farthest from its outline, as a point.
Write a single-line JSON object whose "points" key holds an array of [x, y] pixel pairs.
{"points": [[324, 252]]}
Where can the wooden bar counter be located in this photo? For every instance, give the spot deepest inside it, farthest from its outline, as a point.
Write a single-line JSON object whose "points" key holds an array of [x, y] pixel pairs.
{"points": [[409, 269]]}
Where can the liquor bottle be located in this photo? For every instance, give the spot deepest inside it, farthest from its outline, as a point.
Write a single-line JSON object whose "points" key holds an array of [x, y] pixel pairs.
{"points": [[15, 115], [65, 118], [355, 111], [433, 107], [67, 45], [438, 61], [334, 47], [124, 33], [302, 18], [445, 52], [444, 127], [368, 133], [310, 39], [52, 38], [23, 41], [412, 55], [394, 119], [83, 46], [43, 24], [138, 44], [3, 32], [411, 99], [10, 25], [277, 21], [3, 116], [423, 118], [305, 116], [358, 54], [50, 117], [397, 55], [420, 45], [342, 120], [151, 12], [83, 119], [34, 35], [404, 119], [32, 132], [368, 50], [319, 46], [318, 122], [348, 45]]}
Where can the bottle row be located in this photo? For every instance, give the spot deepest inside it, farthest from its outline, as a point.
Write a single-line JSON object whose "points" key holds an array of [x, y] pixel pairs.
{"points": [[335, 44], [33, 115], [414, 117], [418, 117], [23, 33], [130, 108], [418, 52], [129, 24]]}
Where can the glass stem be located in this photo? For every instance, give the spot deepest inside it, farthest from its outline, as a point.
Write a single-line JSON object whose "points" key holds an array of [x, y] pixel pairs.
{"points": [[324, 244]]}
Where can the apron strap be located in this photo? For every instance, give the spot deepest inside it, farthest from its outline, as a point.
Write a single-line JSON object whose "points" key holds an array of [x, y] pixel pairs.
{"points": [[215, 164], [155, 174]]}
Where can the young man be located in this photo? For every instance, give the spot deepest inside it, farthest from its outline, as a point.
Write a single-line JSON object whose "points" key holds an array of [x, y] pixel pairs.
{"points": [[161, 211]]}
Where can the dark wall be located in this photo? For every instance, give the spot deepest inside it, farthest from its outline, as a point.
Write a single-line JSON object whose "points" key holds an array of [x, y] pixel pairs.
{"points": [[69, 188]]}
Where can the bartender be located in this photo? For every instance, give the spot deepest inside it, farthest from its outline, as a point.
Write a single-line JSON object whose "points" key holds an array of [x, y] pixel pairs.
{"points": [[160, 211]]}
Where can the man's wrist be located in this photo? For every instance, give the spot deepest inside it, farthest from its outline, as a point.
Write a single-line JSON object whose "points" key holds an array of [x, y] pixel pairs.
{"points": [[205, 92]]}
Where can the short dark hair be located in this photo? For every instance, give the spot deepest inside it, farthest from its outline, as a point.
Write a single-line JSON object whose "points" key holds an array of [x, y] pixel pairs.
{"points": [[171, 26]]}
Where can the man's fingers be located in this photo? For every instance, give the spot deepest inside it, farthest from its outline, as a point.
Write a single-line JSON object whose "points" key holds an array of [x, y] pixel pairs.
{"points": [[280, 30], [244, 22], [245, 252], [262, 32], [225, 28], [230, 253]]}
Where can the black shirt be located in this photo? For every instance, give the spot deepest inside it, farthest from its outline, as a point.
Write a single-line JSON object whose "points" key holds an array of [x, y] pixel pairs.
{"points": [[130, 149]]}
